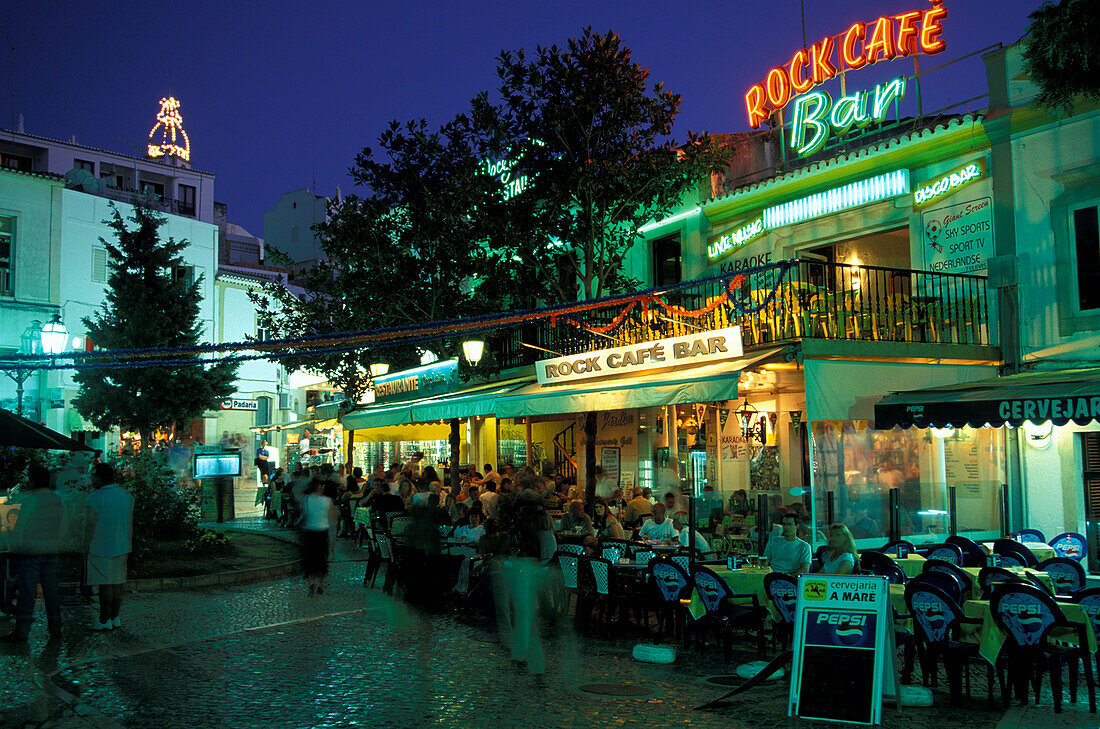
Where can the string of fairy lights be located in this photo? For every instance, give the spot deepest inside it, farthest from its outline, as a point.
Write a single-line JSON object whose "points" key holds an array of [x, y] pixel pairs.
{"points": [[769, 275]]}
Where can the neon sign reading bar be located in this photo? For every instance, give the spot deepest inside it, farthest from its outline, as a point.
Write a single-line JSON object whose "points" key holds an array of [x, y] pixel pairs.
{"points": [[815, 112], [861, 44]]}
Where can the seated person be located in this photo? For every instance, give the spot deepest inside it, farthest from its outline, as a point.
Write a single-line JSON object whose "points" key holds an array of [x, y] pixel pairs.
{"points": [[675, 510], [700, 541], [493, 542], [788, 553], [472, 532], [575, 521], [638, 508], [841, 557], [660, 528]]}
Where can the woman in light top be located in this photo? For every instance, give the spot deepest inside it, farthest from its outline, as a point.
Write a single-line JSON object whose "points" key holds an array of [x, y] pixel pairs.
{"points": [[607, 525], [841, 556]]}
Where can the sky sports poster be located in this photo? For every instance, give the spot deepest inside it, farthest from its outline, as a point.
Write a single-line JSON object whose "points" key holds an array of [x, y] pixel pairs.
{"points": [[842, 647], [958, 238]]}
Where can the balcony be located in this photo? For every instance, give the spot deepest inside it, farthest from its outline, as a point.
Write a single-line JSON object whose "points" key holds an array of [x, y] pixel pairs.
{"points": [[157, 202], [791, 301]]}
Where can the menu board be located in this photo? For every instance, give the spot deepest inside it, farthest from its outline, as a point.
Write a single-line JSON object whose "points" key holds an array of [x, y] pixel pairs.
{"points": [[609, 460], [843, 646]]}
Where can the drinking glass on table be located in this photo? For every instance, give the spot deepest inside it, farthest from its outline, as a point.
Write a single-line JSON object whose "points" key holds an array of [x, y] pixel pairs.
{"points": [[763, 562]]}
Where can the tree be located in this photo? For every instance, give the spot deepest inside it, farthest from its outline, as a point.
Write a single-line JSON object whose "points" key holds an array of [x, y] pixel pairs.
{"points": [[406, 251], [592, 138], [1061, 54], [147, 306]]}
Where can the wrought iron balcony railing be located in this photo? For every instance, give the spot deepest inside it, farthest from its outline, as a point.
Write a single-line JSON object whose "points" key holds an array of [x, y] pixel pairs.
{"points": [[790, 301]]}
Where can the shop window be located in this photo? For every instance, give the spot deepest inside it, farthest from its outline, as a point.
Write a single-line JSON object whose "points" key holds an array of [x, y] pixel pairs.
{"points": [[1086, 240], [7, 249], [666, 261], [860, 467]]}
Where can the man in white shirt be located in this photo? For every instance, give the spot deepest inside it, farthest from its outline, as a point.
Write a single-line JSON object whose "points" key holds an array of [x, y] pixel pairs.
{"points": [[110, 514], [660, 528], [788, 553], [472, 532], [700, 541], [489, 500]]}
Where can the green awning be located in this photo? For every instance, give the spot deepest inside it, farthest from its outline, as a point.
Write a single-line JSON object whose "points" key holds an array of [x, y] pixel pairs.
{"points": [[1058, 396]]}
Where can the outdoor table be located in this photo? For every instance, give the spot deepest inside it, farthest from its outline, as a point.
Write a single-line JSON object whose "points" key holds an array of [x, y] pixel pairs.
{"points": [[912, 565], [361, 516], [992, 638], [747, 580], [276, 502], [1041, 551]]}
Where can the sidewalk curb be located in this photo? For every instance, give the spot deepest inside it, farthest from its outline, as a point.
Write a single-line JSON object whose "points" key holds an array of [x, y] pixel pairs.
{"points": [[234, 577]]}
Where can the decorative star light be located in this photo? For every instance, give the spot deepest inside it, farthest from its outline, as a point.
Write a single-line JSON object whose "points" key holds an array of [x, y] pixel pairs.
{"points": [[169, 117]]}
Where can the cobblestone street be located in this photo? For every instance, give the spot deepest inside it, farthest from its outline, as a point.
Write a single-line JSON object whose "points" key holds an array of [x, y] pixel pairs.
{"points": [[267, 655]]}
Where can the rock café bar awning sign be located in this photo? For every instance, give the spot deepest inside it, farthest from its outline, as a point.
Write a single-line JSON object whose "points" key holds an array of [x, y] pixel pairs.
{"points": [[815, 115], [689, 350]]}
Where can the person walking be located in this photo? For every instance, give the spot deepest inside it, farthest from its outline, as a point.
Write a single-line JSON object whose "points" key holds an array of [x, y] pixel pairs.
{"points": [[110, 520], [318, 525], [36, 542]]}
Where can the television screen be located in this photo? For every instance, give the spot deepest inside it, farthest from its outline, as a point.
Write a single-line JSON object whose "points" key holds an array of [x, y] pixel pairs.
{"points": [[212, 465]]}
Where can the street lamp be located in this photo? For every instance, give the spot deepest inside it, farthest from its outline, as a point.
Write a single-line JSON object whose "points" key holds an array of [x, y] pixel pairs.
{"points": [[473, 349], [379, 368], [55, 337], [37, 339]]}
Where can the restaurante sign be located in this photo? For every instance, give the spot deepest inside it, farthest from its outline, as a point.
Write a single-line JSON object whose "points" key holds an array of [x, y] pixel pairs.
{"points": [[861, 44], [687, 350], [433, 379]]}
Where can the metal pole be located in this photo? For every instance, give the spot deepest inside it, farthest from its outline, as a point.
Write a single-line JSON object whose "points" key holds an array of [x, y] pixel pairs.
{"points": [[19, 393], [830, 507], [691, 533], [763, 522], [895, 522], [953, 524]]}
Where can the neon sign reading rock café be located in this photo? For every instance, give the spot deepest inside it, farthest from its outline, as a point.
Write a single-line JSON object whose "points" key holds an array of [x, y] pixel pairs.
{"points": [[815, 115]]}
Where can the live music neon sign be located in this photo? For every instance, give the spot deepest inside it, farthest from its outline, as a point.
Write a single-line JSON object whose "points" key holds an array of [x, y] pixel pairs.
{"points": [[862, 44]]}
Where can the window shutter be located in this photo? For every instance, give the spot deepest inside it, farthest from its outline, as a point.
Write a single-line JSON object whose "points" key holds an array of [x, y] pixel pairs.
{"points": [[99, 265]]}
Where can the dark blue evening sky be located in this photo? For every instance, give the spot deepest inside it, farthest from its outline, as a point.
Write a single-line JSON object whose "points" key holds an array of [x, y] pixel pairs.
{"points": [[278, 94]]}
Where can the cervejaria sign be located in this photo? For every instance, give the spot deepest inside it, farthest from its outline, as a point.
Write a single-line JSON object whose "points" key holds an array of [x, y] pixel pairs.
{"points": [[862, 44]]}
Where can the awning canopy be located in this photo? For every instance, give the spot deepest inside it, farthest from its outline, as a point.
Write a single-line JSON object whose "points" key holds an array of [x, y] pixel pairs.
{"points": [[1059, 396], [524, 397], [467, 403]]}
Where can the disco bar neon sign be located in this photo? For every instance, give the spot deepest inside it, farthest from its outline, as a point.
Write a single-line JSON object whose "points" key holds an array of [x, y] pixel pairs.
{"points": [[884, 39]]}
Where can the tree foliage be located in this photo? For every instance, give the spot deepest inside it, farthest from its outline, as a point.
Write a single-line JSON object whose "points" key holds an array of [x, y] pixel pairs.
{"points": [[148, 307], [403, 251], [593, 139], [1062, 53]]}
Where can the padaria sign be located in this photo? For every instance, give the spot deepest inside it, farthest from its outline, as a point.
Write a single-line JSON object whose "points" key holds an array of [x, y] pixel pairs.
{"points": [[692, 349]]}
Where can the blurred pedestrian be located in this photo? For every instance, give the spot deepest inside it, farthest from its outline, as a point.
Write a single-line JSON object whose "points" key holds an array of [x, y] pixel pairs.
{"points": [[318, 526], [36, 541], [110, 515]]}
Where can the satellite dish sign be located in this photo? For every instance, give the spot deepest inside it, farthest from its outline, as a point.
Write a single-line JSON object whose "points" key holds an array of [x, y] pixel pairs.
{"points": [[843, 647]]}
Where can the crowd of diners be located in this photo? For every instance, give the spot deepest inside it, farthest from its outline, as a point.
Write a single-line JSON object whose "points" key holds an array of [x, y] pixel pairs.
{"points": [[513, 511]]}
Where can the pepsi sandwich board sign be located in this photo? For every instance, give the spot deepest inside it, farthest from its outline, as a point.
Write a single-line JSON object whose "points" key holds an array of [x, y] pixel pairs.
{"points": [[843, 647]]}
